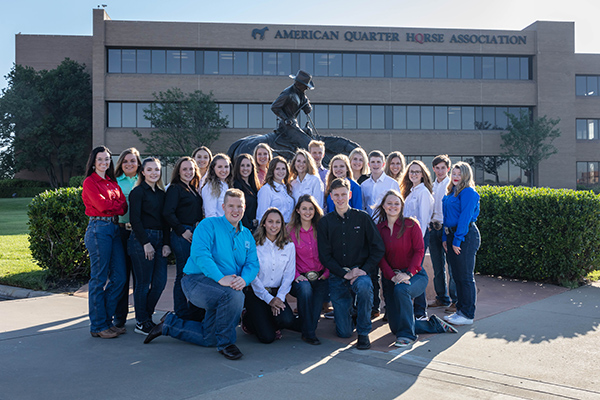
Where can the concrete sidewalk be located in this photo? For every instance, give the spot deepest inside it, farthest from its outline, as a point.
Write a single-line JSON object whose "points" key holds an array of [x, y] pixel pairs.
{"points": [[523, 348]]}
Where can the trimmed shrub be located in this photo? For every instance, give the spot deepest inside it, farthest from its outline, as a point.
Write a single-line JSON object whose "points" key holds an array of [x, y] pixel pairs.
{"points": [[21, 188], [538, 233], [57, 224], [76, 181]]}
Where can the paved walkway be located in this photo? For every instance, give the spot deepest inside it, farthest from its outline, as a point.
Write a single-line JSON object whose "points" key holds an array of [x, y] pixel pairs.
{"points": [[529, 341]]}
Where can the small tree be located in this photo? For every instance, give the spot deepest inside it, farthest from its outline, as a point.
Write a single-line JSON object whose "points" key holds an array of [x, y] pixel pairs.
{"points": [[49, 115], [528, 141], [181, 122]]}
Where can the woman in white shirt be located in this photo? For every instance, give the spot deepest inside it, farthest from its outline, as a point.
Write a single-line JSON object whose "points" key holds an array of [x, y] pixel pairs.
{"points": [[218, 181], [276, 191], [203, 157], [416, 190], [266, 311], [304, 178]]}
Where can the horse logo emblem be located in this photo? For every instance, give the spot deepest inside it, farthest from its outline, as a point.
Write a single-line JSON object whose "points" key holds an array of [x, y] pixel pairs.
{"points": [[260, 32]]}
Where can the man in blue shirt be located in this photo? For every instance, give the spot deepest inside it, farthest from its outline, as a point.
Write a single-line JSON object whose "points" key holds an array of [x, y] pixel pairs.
{"points": [[222, 262]]}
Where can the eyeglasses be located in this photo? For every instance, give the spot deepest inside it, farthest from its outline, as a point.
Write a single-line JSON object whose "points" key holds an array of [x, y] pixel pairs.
{"points": [[415, 172]]}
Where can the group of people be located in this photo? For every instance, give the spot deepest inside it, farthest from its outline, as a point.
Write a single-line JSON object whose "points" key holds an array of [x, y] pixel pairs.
{"points": [[247, 234]]}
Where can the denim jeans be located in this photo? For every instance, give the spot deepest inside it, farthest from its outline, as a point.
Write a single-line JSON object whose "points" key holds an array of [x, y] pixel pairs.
{"points": [[310, 298], [181, 306], [123, 304], [150, 275], [223, 307], [463, 271], [341, 297], [107, 263], [420, 303], [399, 301], [444, 292]]}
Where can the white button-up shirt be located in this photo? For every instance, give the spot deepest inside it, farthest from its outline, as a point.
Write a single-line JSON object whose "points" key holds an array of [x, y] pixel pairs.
{"points": [[419, 204], [278, 197], [310, 185], [213, 205], [373, 191], [277, 270], [439, 191]]}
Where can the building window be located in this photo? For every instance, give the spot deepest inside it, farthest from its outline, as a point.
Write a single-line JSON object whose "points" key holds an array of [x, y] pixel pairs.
{"points": [[354, 116], [487, 170], [283, 63], [587, 129], [587, 85], [587, 173]]}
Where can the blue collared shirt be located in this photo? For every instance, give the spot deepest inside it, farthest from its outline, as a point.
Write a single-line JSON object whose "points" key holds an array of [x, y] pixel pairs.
{"points": [[219, 249], [459, 212]]}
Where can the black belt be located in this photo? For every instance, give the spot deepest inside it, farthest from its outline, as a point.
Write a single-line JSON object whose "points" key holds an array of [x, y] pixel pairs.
{"points": [[114, 219], [435, 225], [451, 231], [272, 290]]}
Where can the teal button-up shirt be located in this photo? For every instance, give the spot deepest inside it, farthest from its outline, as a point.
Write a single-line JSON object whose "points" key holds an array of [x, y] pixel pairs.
{"points": [[219, 249], [126, 184]]}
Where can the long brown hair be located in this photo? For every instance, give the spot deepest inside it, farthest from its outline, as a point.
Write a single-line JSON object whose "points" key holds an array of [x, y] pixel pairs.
{"points": [[331, 177], [125, 153], [466, 178], [253, 178], [296, 221], [270, 177], [261, 232], [142, 178], [176, 177], [311, 166], [212, 180], [381, 216], [407, 184], [91, 162], [390, 157]]}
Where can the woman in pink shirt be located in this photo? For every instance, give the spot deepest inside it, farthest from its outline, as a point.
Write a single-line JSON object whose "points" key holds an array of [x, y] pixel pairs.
{"points": [[311, 286]]}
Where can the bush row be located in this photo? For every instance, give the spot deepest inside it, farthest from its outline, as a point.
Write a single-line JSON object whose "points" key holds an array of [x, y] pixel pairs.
{"points": [[527, 233], [21, 188], [539, 234], [57, 224]]}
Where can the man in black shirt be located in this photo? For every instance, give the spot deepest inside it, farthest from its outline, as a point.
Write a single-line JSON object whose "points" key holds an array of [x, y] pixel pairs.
{"points": [[350, 247]]}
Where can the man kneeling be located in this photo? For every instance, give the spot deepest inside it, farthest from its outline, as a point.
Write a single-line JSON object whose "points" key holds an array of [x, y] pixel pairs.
{"points": [[222, 262], [350, 247]]}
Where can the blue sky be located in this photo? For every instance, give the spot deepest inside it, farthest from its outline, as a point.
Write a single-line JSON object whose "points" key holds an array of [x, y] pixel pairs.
{"points": [[74, 17]]}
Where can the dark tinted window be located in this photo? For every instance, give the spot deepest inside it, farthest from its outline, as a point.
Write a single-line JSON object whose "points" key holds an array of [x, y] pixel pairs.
{"points": [[399, 66], [144, 62], [335, 116], [439, 63], [269, 63], [412, 66], [487, 65], [211, 62], [173, 62], [129, 116], [349, 117], [377, 117], [254, 63], [128, 61], [114, 115], [307, 62], [349, 65], [159, 64], [513, 68], [188, 62], [363, 65], [501, 68], [114, 61], [441, 117], [377, 65], [399, 117], [284, 64], [454, 67], [426, 66], [240, 63]]}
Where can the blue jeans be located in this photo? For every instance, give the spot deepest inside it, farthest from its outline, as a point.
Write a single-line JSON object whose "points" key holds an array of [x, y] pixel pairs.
{"points": [[438, 262], [181, 306], [107, 262], [399, 302], [310, 297], [123, 304], [463, 271], [420, 303], [341, 297], [150, 276], [223, 307]]}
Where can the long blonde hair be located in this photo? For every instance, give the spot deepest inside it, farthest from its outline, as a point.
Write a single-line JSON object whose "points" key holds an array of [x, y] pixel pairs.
{"points": [[331, 176], [365, 170], [212, 180], [466, 178], [311, 166]]}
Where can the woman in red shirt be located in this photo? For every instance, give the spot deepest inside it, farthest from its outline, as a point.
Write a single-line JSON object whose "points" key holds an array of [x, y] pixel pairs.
{"points": [[104, 202], [403, 278]]}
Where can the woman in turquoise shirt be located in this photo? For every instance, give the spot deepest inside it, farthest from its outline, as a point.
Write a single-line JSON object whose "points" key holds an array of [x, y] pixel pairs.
{"points": [[128, 167]]}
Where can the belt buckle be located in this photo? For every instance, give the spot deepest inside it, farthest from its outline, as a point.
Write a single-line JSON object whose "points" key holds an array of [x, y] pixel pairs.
{"points": [[447, 230], [312, 276]]}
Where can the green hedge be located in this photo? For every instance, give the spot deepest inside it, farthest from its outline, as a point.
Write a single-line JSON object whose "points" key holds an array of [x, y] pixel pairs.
{"points": [[76, 181], [538, 233], [21, 188], [57, 224]]}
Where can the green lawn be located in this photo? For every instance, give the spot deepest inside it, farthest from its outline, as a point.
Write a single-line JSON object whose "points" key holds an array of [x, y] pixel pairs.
{"points": [[17, 268]]}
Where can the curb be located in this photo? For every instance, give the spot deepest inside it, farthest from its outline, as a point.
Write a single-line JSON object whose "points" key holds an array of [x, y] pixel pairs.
{"points": [[13, 292]]}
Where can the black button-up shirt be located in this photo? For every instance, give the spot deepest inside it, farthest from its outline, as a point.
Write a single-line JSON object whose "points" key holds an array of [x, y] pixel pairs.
{"points": [[145, 212], [183, 206], [349, 241]]}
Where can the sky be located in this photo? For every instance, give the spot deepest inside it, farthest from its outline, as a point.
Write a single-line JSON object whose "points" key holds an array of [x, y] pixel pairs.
{"points": [[74, 17]]}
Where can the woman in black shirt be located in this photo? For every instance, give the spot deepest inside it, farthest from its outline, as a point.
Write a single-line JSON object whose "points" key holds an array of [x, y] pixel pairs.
{"points": [[183, 211], [245, 179], [148, 244]]}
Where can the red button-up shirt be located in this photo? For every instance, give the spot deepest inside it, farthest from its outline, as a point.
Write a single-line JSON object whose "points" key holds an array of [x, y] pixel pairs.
{"points": [[102, 197], [404, 253], [307, 252]]}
